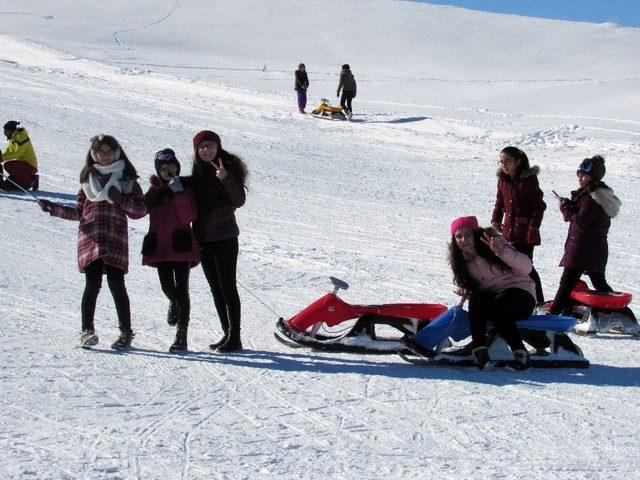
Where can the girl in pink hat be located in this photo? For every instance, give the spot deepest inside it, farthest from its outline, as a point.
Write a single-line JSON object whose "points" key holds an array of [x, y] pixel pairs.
{"points": [[496, 278]]}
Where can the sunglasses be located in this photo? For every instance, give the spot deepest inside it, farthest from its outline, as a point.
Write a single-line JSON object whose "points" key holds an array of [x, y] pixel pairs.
{"points": [[207, 146], [165, 157], [586, 166]]}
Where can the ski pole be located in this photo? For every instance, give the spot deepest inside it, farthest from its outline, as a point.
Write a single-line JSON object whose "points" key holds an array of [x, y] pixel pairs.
{"points": [[25, 191]]}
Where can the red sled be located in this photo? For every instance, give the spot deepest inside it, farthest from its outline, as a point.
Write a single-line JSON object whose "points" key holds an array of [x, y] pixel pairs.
{"points": [[303, 329]]}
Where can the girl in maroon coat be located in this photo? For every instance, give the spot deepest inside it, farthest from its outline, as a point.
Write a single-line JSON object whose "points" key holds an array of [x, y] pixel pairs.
{"points": [[519, 207], [109, 193], [170, 245], [589, 212], [219, 188]]}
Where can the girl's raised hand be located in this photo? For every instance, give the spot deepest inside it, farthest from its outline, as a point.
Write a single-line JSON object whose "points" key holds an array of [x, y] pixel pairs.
{"points": [[221, 171], [495, 243]]}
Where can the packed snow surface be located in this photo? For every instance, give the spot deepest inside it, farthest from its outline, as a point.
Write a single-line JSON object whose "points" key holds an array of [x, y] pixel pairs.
{"points": [[440, 92]]}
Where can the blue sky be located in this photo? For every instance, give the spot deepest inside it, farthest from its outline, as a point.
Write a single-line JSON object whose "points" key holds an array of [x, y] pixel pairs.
{"points": [[624, 12]]}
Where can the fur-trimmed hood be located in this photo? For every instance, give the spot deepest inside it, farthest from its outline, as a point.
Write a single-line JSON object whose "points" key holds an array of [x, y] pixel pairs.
{"points": [[606, 198], [525, 173]]}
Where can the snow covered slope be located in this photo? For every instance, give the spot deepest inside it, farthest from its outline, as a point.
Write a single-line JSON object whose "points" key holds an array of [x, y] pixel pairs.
{"points": [[441, 91]]}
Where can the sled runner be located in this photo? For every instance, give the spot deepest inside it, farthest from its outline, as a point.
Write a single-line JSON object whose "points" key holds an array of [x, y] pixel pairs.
{"points": [[546, 336], [327, 112], [604, 312], [302, 330]]}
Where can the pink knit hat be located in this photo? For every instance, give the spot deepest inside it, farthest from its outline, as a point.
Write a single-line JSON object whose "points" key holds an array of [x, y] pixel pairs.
{"points": [[470, 222]]}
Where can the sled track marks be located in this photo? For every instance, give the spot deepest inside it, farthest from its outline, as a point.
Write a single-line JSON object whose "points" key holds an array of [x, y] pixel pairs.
{"points": [[117, 33]]}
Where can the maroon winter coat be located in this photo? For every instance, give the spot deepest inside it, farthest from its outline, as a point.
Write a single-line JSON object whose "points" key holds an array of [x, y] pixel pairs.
{"points": [[589, 215], [519, 207], [103, 232], [170, 238]]}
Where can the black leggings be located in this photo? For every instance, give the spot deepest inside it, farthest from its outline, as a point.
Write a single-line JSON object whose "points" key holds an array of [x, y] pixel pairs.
{"points": [[502, 309], [174, 280], [345, 101], [562, 302], [528, 251], [219, 261], [93, 283]]}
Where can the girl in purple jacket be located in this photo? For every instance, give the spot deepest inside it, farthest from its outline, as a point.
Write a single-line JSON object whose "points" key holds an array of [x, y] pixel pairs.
{"points": [[170, 245], [109, 193], [589, 212], [496, 278], [219, 188]]}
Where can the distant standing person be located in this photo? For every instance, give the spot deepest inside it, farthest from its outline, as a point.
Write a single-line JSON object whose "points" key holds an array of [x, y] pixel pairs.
{"points": [[519, 207], [301, 86], [349, 89], [18, 159]]}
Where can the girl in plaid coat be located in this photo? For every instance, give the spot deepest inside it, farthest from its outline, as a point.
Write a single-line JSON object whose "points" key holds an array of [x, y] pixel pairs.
{"points": [[109, 193]]}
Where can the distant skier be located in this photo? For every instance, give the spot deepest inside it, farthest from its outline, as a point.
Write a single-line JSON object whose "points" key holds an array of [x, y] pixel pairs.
{"points": [[109, 193], [589, 212], [519, 206], [219, 187], [301, 86], [19, 159], [170, 245], [349, 89]]}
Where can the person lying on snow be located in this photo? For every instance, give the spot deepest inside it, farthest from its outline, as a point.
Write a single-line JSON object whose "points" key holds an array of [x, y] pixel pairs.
{"points": [[18, 160]]}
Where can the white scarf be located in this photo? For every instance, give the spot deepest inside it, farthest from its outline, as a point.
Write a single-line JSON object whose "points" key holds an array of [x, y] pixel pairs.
{"points": [[94, 191]]}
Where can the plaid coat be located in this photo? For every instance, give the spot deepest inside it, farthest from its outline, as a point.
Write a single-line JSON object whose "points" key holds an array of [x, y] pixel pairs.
{"points": [[103, 232]]}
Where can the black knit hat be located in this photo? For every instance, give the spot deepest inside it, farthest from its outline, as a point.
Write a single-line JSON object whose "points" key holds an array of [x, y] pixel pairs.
{"points": [[11, 125], [165, 156], [346, 66], [594, 167], [301, 66]]}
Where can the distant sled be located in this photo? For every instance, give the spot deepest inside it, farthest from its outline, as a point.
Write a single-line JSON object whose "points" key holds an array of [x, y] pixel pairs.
{"points": [[328, 112]]}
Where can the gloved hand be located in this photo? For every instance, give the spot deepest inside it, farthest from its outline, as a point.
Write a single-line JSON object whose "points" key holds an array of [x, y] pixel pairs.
{"points": [[175, 185], [126, 186], [46, 205], [533, 236], [115, 195]]}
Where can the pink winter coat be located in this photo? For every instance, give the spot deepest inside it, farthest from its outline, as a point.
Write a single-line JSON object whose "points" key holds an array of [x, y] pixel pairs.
{"points": [[170, 238], [103, 233], [492, 279]]}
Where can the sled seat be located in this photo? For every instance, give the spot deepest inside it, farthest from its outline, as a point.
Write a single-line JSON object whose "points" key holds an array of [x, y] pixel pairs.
{"points": [[610, 300]]}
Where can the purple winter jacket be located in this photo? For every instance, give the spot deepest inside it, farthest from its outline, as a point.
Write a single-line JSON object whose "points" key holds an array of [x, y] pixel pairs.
{"points": [[170, 238], [589, 215]]}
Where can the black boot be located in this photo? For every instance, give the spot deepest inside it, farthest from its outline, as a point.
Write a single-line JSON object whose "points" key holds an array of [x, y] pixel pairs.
{"points": [[123, 341], [225, 328], [481, 357], [174, 312], [233, 342], [180, 343]]}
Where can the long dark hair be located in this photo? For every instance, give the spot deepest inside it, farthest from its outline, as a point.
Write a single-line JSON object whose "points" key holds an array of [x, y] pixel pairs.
{"points": [[461, 276], [517, 154], [129, 171], [207, 188]]}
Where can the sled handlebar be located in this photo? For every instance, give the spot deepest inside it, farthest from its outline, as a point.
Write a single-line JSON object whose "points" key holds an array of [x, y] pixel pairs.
{"points": [[338, 284]]}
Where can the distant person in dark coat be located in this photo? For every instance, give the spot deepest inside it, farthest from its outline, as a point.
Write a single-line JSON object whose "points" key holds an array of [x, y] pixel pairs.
{"points": [[519, 207], [301, 86], [349, 89], [589, 212]]}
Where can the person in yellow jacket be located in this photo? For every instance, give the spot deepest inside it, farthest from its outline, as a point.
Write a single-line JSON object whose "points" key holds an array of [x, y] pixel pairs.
{"points": [[18, 159]]}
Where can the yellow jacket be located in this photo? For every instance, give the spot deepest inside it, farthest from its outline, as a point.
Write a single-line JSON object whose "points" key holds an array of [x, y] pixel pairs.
{"points": [[20, 148]]}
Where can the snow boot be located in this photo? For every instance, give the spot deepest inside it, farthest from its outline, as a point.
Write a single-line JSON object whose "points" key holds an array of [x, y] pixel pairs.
{"points": [[481, 357], [88, 338], [233, 342], [521, 360], [35, 184], [123, 341], [180, 343], [417, 348], [225, 328], [174, 313]]}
